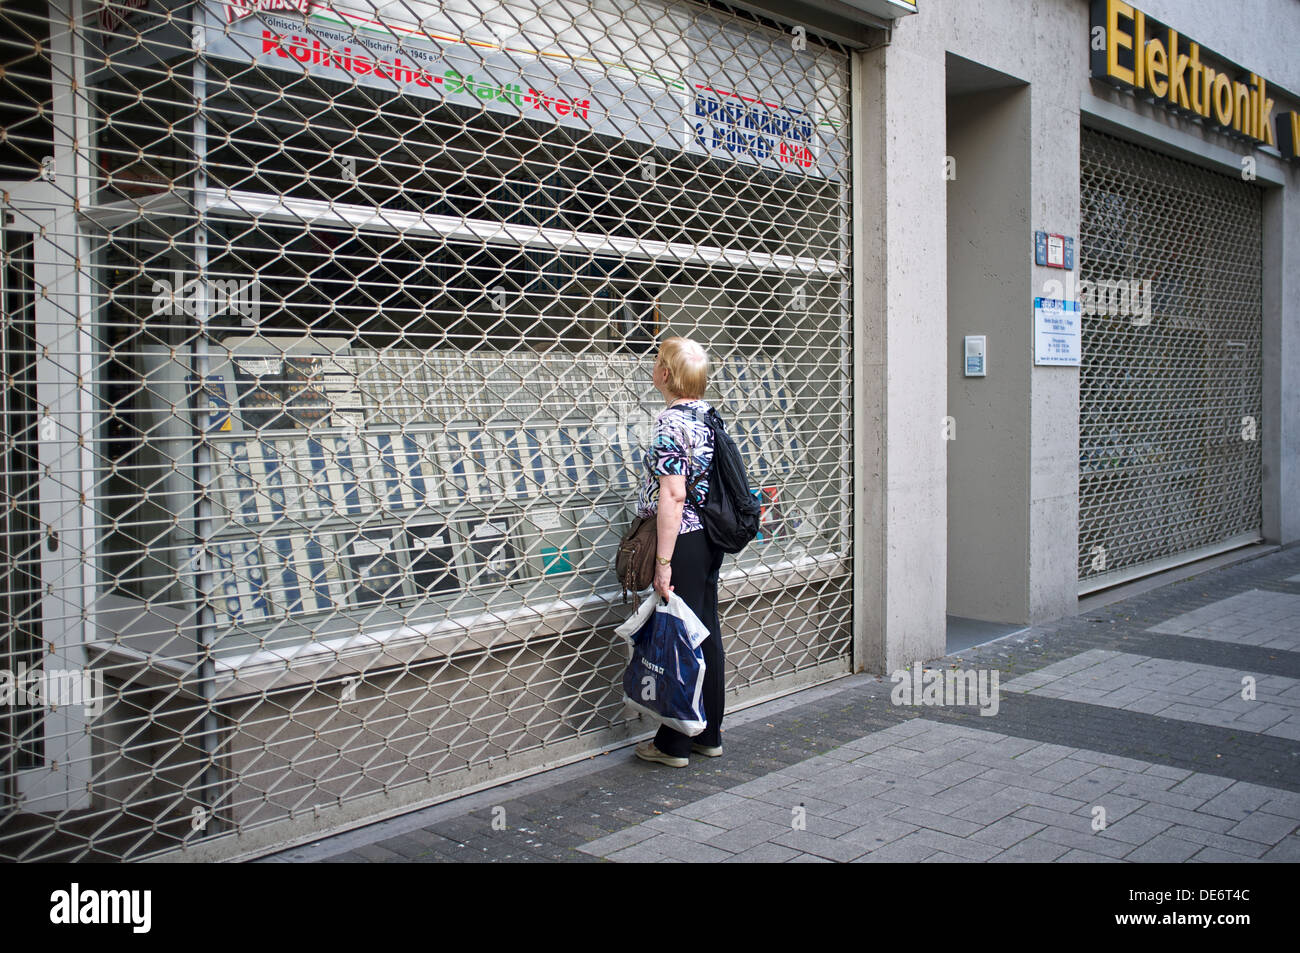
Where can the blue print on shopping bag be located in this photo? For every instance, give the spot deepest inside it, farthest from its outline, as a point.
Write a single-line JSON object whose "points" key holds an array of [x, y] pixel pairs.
{"points": [[665, 678]]}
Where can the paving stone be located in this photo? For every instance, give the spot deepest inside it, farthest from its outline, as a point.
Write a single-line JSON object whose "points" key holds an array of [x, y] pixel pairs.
{"points": [[1212, 855], [935, 822], [1069, 837], [1284, 803], [877, 832], [1076, 856], [1225, 842], [758, 786], [1203, 785], [752, 810], [763, 854], [1022, 779], [902, 851], [1091, 787], [646, 852], [810, 769], [828, 847], [869, 743], [788, 801], [865, 813], [1031, 850], [1006, 832], [1286, 851], [1189, 802], [701, 809], [1265, 828], [670, 845], [1238, 801], [741, 839], [960, 846], [409, 849], [618, 840], [853, 793], [1135, 829], [375, 853], [683, 827], [1042, 756], [988, 810], [1056, 802], [954, 773], [1116, 807], [903, 790], [1164, 850], [1184, 817], [1110, 760]]}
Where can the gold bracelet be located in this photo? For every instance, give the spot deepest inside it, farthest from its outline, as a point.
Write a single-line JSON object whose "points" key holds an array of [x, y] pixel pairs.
{"points": [[663, 561]]}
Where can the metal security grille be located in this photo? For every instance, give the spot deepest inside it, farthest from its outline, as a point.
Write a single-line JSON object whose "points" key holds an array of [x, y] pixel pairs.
{"points": [[328, 333], [1170, 387]]}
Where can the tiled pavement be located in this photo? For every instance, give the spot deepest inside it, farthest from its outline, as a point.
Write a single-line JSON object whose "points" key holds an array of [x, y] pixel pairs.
{"points": [[1183, 690], [1121, 735]]}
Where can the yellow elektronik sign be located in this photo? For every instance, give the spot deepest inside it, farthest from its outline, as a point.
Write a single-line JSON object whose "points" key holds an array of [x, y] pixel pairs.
{"points": [[1150, 57]]}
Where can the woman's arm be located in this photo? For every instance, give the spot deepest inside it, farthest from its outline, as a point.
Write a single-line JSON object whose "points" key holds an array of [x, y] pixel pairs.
{"points": [[672, 498]]}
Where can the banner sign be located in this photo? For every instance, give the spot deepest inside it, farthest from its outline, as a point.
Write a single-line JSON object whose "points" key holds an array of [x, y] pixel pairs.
{"points": [[424, 50]]}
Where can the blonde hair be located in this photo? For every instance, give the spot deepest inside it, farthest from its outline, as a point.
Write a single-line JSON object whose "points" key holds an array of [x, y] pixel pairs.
{"points": [[687, 365]]}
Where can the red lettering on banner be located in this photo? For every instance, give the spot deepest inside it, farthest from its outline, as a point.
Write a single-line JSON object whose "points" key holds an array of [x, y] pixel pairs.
{"points": [[238, 9], [110, 20], [561, 107], [312, 51]]}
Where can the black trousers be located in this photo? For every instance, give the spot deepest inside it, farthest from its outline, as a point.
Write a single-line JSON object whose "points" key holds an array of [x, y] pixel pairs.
{"points": [[695, 579]]}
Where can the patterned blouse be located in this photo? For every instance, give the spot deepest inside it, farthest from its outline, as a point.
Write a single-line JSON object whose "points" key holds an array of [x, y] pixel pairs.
{"points": [[680, 444]]}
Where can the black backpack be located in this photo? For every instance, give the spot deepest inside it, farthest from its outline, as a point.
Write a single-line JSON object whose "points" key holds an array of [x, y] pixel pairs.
{"points": [[731, 512]]}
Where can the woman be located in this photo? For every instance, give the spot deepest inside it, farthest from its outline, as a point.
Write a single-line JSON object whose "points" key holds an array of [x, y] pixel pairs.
{"points": [[681, 449]]}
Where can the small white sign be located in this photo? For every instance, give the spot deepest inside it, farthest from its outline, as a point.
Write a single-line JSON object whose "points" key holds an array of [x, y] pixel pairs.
{"points": [[1057, 333], [1056, 251], [547, 519]]}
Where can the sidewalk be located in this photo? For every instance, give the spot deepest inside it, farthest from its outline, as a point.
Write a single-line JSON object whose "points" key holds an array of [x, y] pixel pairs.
{"points": [[1120, 735]]}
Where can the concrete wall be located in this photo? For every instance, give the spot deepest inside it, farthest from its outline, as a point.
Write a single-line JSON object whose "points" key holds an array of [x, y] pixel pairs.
{"points": [[902, 301], [1046, 46], [988, 462]]}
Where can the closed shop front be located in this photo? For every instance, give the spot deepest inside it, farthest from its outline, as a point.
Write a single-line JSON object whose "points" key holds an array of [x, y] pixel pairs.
{"points": [[329, 330], [1170, 392]]}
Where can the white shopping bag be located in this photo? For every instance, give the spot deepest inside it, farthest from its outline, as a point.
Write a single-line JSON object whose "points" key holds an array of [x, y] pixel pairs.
{"points": [[696, 630]]}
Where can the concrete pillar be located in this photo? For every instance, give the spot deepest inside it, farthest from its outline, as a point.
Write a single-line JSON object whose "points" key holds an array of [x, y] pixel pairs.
{"points": [[901, 293]]}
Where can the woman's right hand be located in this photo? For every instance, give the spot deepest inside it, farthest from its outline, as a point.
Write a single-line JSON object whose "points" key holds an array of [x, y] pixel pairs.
{"points": [[663, 580]]}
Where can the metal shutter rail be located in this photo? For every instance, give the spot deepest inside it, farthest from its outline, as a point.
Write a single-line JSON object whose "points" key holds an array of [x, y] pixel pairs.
{"points": [[1169, 401], [336, 346]]}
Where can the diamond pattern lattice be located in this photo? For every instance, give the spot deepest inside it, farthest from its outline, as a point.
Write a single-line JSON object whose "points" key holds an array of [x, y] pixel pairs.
{"points": [[343, 325], [1170, 387]]}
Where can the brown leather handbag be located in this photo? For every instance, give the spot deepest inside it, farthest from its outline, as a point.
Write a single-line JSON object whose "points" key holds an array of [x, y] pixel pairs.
{"points": [[635, 563]]}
